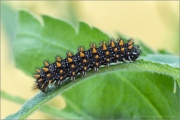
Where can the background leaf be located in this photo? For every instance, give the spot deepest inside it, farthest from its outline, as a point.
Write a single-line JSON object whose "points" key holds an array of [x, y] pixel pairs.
{"points": [[45, 42], [171, 60], [16, 99], [10, 23]]}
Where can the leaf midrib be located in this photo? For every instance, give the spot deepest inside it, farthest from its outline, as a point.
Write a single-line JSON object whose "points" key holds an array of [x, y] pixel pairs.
{"points": [[78, 110], [142, 95]]}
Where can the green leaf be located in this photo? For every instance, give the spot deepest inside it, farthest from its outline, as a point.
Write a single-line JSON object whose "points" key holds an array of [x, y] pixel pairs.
{"points": [[104, 77], [162, 51], [9, 23], [46, 108], [15, 99], [139, 90], [145, 97], [8, 18], [170, 60], [45, 42]]}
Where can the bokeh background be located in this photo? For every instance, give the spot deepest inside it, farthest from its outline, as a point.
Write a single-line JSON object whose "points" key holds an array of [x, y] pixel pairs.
{"points": [[156, 23]]}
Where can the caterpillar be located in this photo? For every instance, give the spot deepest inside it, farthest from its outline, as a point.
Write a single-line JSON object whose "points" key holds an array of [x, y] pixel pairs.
{"points": [[85, 60]]}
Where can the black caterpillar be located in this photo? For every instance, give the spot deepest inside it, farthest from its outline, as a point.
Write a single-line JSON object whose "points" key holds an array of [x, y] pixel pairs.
{"points": [[83, 61]]}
